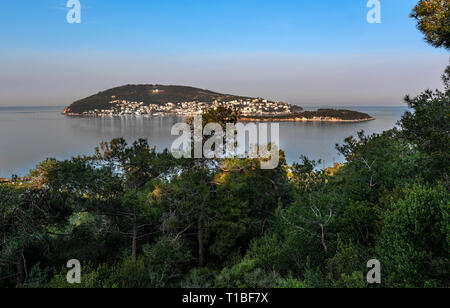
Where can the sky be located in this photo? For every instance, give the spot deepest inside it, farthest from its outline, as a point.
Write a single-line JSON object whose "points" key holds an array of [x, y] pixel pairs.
{"points": [[310, 53]]}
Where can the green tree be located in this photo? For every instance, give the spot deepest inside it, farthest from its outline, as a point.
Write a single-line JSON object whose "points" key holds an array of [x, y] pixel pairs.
{"points": [[415, 239], [433, 19], [246, 198], [345, 269], [26, 219], [138, 163], [184, 207], [428, 127], [166, 262]]}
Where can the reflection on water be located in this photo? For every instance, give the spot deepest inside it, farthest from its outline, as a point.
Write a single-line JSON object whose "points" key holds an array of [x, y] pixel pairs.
{"points": [[30, 134]]}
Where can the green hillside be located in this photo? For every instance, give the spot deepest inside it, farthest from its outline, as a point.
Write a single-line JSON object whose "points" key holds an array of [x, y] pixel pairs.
{"points": [[148, 94]]}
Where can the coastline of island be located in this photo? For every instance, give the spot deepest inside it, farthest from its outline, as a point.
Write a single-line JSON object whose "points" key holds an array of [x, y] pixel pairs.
{"points": [[290, 118], [158, 100], [298, 119]]}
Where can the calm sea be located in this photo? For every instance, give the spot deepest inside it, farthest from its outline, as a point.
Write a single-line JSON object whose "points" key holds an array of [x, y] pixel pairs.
{"points": [[30, 134]]}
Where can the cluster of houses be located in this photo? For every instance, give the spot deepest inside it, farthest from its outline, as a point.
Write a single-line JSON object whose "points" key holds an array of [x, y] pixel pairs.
{"points": [[247, 107]]}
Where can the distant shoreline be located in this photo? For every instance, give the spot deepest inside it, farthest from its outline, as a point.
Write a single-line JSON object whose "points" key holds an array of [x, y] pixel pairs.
{"points": [[243, 119], [334, 120]]}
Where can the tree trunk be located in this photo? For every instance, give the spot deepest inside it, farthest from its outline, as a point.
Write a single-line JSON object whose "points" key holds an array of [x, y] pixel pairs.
{"points": [[135, 231], [134, 244], [201, 252], [276, 193], [20, 269], [323, 239]]}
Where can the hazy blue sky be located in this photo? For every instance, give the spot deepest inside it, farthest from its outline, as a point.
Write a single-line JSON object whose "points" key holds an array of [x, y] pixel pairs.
{"points": [[305, 52]]}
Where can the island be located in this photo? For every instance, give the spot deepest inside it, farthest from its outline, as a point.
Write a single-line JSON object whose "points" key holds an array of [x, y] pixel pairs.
{"points": [[163, 100]]}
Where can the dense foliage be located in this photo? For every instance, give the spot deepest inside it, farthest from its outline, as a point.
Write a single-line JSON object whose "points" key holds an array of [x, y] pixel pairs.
{"points": [[433, 17]]}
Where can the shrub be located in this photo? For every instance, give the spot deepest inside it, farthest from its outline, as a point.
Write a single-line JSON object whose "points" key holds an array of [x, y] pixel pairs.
{"points": [[345, 268], [199, 278], [165, 262], [247, 275]]}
